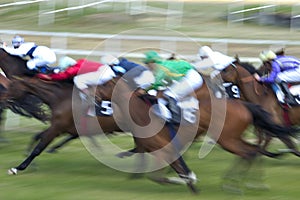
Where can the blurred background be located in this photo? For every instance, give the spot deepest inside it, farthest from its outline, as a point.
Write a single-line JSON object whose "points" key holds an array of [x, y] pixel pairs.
{"points": [[89, 29]]}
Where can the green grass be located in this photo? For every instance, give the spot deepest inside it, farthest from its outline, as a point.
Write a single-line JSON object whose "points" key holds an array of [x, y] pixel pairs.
{"points": [[73, 173]]}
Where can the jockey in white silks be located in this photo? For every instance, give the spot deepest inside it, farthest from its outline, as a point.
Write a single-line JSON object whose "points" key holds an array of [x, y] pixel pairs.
{"points": [[40, 56], [285, 69], [211, 63]]}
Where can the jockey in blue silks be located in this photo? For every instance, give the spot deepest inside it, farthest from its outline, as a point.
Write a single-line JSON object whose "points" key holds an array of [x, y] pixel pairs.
{"points": [[137, 76], [285, 69]]}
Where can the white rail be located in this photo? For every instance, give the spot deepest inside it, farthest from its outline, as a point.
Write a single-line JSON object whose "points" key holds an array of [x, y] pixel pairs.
{"points": [[150, 38]]}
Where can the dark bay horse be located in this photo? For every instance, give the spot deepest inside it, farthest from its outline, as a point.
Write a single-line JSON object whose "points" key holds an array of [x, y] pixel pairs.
{"points": [[224, 120], [65, 106], [241, 74], [30, 105]]}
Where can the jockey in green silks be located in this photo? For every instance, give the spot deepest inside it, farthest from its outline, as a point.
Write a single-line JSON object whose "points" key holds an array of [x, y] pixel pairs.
{"points": [[178, 77]]}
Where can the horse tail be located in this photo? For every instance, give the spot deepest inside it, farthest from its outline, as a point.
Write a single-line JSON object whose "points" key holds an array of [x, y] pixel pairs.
{"points": [[263, 119]]}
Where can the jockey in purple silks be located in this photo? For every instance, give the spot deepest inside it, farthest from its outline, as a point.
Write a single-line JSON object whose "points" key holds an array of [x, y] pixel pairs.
{"points": [[285, 69]]}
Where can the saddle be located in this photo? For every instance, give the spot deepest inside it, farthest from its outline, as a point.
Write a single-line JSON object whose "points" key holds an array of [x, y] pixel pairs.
{"points": [[182, 111], [287, 94]]}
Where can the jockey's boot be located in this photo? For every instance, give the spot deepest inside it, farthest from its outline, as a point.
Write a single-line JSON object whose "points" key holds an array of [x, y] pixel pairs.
{"points": [[278, 92], [289, 99], [88, 103], [161, 110], [175, 109]]}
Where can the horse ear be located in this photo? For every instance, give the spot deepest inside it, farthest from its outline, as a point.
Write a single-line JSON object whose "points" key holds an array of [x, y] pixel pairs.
{"points": [[237, 58], [280, 52]]}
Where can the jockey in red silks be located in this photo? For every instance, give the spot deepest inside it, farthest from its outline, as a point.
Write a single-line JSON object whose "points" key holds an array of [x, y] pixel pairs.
{"points": [[70, 68]]}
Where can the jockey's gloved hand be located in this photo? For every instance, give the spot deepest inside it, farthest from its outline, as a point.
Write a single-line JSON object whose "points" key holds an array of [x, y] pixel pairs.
{"points": [[118, 69], [214, 74], [56, 70]]}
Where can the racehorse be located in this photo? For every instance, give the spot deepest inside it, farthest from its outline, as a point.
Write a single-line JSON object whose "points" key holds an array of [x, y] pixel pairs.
{"points": [[154, 136], [29, 106], [57, 95], [241, 74], [60, 99]]}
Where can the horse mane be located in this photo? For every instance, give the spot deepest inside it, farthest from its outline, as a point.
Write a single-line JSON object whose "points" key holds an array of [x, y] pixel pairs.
{"points": [[249, 67], [30, 106], [53, 88]]}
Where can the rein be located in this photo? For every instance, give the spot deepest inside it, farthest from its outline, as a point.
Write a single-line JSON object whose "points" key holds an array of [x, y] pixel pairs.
{"points": [[248, 79]]}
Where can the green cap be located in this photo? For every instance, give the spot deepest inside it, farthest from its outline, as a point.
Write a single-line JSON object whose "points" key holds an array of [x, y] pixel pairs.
{"points": [[151, 56]]}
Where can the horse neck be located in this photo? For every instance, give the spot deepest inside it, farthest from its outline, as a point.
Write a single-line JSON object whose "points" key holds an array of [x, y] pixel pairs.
{"points": [[49, 93], [254, 92], [203, 92], [11, 65]]}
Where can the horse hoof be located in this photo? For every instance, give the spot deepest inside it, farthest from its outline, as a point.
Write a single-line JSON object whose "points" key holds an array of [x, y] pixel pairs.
{"points": [[12, 171], [192, 176]]}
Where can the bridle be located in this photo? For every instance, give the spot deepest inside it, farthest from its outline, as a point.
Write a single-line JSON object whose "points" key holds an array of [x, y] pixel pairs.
{"points": [[247, 79]]}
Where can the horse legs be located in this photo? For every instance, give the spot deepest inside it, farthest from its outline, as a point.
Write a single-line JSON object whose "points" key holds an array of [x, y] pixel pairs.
{"points": [[2, 119], [290, 144], [34, 140], [128, 153], [263, 141], [45, 139], [62, 143], [247, 152], [175, 160], [185, 173]]}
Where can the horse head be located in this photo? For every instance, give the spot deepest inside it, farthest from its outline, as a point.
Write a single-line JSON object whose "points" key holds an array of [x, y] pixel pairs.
{"points": [[239, 72], [265, 68], [13, 65]]}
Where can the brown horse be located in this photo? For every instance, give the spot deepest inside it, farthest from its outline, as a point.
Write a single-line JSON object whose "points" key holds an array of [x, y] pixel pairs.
{"points": [[241, 74], [65, 106], [225, 120], [29, 105]]}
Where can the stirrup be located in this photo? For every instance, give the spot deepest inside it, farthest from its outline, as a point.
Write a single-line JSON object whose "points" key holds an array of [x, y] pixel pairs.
{"points": [[291, 102], [162, 111], [91, 111]]}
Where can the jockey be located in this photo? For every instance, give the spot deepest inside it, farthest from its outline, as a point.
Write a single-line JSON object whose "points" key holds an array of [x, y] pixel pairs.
{"points": [[40, 56], [136, 75], [211, 63], [70, 68], [285, 69], [178, 76]]}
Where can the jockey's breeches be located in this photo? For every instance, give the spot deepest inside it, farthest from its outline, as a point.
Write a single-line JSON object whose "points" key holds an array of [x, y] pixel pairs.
{"points": [[188, 84], [99, 77]]}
